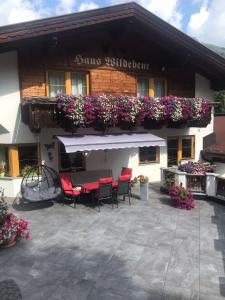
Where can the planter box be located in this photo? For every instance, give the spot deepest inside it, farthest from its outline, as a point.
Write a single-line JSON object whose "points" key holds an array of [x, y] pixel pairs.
{"points": [[178, 124], [144, 191], [152, 124]]}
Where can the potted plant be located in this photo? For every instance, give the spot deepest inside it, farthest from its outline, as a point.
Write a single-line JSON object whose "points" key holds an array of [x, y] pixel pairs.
{"points": [[12, 228], [2, 169], [143, 186], [182, 197]]}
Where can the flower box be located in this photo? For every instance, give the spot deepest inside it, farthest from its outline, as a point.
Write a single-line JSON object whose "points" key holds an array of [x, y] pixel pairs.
{"points": [[177, 124], [127, 112], [202, 123], [153, 124]]}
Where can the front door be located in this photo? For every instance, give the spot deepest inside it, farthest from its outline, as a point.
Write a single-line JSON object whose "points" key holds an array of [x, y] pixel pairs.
{"points": [[172, 151]]}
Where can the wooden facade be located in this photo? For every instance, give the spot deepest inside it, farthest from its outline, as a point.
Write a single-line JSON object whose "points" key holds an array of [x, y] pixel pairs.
{"points": [[37, 59]]}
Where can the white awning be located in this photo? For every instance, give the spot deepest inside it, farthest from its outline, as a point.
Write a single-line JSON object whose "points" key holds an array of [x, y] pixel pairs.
{"points": [[90, 142]]}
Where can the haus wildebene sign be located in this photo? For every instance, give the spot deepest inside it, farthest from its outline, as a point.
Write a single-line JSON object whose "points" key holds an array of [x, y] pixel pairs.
{"points": [[108, 61]]}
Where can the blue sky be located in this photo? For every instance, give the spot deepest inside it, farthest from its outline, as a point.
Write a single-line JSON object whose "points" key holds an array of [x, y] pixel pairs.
{"points": [[201, 19]]}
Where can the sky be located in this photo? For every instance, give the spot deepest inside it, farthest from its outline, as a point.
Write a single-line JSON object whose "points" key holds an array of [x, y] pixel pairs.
{"points": [[203, 20]]}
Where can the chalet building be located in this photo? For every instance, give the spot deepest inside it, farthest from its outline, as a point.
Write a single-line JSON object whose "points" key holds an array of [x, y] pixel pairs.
{"points": [[116, 51]]}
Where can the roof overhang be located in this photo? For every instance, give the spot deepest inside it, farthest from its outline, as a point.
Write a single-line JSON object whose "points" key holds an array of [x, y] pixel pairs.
{"points": [[208, 62], [91, 142]]}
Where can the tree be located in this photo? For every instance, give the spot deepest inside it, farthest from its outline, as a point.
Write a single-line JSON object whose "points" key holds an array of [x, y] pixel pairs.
{"points": [[220, 97]]}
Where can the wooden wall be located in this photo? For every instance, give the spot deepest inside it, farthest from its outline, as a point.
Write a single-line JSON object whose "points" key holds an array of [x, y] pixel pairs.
{"points": [[36, 60]]}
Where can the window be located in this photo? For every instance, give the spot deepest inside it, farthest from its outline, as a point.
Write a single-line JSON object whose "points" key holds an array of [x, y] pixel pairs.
{"points": [[4, 161], [143, 87], [148, 155], [154, 87], [179, 148], [28, 156], [79, 86], [57, 83], [67, 82], [73, 160], [16, 158], [159, 88]]}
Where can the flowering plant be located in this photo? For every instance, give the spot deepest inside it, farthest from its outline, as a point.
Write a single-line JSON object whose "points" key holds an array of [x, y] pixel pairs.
{"points": [[143, 179], [128, 108], [183, 198], [85, 111], [11, 227], [194, 168], [105, 110], [154, 108], [2, 167], [3, 206], [198, 108]]}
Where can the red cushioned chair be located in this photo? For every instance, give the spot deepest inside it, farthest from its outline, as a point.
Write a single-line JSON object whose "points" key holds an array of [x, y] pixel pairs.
{"points": [[124, 188], [126, 171], [69, 191], [105, 190]]}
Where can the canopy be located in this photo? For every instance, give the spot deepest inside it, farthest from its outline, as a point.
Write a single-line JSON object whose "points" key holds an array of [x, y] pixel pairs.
{"points": [[90, 142]]}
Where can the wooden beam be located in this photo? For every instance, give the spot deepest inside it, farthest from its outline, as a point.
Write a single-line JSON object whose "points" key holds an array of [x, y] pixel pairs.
{"points": [[13, 155]]}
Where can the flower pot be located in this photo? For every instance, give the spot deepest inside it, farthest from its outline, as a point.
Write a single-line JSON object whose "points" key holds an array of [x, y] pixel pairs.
{"points": [[8, 244], [144, 191]]}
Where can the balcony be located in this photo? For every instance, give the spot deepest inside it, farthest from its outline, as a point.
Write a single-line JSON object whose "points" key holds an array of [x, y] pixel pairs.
{"points": [[105, 112]]}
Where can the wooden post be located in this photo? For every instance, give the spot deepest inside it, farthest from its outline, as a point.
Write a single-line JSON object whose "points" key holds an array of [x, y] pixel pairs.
{"points": [[151, 87], [13, 155], [68, 83], [179, 154]]}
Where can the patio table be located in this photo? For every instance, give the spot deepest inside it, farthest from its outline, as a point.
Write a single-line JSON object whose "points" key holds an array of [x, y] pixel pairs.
{"points": [[93, 186]]}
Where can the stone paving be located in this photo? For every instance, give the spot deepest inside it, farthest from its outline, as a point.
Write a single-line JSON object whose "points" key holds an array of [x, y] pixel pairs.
{"points": [[146, 251]]}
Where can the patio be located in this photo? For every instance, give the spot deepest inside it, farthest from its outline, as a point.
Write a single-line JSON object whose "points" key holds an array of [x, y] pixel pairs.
{"points": [[149, 250]]}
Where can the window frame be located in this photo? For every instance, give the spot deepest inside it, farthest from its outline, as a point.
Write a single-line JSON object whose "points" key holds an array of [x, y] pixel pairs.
{"points": [[148, 162], [68, 80], [18, 162], [66, 169], [151, 92], [179, 152]]}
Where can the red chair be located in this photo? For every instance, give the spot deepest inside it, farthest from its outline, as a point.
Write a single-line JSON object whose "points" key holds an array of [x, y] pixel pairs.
{"points": [[126, 171], [105, 190], [69, 191], [124, 188]]}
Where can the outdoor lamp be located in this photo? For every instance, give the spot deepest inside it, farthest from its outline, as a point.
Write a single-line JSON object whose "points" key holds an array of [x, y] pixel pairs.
{"points": [[86, 153]]}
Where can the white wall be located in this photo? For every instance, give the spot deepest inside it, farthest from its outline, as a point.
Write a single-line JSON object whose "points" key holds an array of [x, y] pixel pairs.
{"points": [[118, 158], [220, 169], [12, 130]]}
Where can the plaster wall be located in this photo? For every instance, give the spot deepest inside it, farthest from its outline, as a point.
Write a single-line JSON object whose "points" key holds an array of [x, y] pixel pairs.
{"points": [[12, 129]]}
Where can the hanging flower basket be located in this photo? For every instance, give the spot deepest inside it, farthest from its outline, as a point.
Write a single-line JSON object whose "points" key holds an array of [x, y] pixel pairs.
{"points": [[153, 124]]}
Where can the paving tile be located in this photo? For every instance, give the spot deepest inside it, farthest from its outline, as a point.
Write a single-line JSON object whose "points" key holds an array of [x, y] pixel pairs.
{"points": [[175, 293], [78, 291], [103, 295], [149, 250]]}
